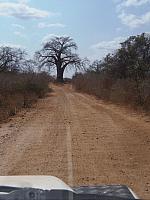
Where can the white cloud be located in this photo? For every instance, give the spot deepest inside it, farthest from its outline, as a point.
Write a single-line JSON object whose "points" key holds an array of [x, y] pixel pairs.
{"points": [[101, 49], [128, 3], [18, 26], [23, 1], [47, 37], [134, 21], [46, 25], [129, 19], [21, 10], [10, 45], [18, 33], [109, 45]]}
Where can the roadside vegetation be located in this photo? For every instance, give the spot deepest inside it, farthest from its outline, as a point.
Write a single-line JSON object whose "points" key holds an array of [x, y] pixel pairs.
{"points": [[20, 85], [21, 79], [122, 77]]}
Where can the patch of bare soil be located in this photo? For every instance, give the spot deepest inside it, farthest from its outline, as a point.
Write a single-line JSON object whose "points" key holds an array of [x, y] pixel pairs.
{"points": [[79, 139]]}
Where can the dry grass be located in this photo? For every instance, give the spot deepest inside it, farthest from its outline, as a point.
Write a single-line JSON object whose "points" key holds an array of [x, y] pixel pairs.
{"points": [[20, 90], [120, 91]]}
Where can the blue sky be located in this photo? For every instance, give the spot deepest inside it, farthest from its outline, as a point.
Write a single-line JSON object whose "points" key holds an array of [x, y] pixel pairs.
{"points": [[97, 26]]}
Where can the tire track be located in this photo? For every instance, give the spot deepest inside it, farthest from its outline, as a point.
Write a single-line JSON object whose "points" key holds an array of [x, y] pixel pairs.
{"points": [[80, 140]]}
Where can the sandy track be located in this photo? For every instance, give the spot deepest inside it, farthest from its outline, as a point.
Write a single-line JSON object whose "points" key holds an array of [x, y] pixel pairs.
{"points": [[80, 140]]}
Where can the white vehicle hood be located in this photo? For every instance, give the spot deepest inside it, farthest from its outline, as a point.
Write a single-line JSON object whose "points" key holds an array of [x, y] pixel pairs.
{"points": [[38, 182]]}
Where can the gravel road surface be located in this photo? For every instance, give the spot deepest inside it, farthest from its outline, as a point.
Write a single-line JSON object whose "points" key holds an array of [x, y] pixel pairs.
{"points": [[79, 139]]}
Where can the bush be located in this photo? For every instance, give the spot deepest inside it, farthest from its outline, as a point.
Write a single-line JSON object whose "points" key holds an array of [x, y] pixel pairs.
{"points": [[121, 77], [19, 90], [122, 91]]}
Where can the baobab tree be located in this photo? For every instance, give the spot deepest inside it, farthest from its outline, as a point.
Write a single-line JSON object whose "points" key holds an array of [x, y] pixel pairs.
{"points": [[59, 53]]}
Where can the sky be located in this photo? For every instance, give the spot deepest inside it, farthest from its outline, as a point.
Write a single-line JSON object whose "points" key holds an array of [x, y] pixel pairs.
{"points": [[97, 26]]}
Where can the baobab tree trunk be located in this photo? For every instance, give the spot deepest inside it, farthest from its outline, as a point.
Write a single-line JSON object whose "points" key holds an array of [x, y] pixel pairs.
{"points": [[60, 74]]}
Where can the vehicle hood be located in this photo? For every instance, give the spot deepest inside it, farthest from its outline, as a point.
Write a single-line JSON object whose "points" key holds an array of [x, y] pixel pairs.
{"points": [[38, 182]]}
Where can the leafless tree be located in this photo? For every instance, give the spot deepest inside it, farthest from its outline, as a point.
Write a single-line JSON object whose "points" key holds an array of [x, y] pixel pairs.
{"points": [[29, 66], [59, 53], [11, 58]]}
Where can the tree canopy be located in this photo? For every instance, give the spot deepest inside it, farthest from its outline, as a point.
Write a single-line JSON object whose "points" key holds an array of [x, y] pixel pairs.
{"points": [[59, 53], [11, 59]]}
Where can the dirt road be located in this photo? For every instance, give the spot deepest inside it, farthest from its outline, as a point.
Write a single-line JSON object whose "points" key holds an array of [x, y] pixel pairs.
{"points": [[80, 140]]}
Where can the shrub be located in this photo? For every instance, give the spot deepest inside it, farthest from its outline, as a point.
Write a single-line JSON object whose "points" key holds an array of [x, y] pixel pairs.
{"points": [[122, 91], [19, 90], [121, 77]]}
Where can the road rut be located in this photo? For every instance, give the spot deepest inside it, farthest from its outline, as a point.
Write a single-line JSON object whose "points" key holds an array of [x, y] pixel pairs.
{"points": [[79, 139]]}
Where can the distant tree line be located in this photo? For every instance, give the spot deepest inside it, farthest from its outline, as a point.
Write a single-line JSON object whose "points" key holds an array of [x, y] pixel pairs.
{"points": [[23, 80], [122, 77], [20, 84], [15, 60], [58, 53]]}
